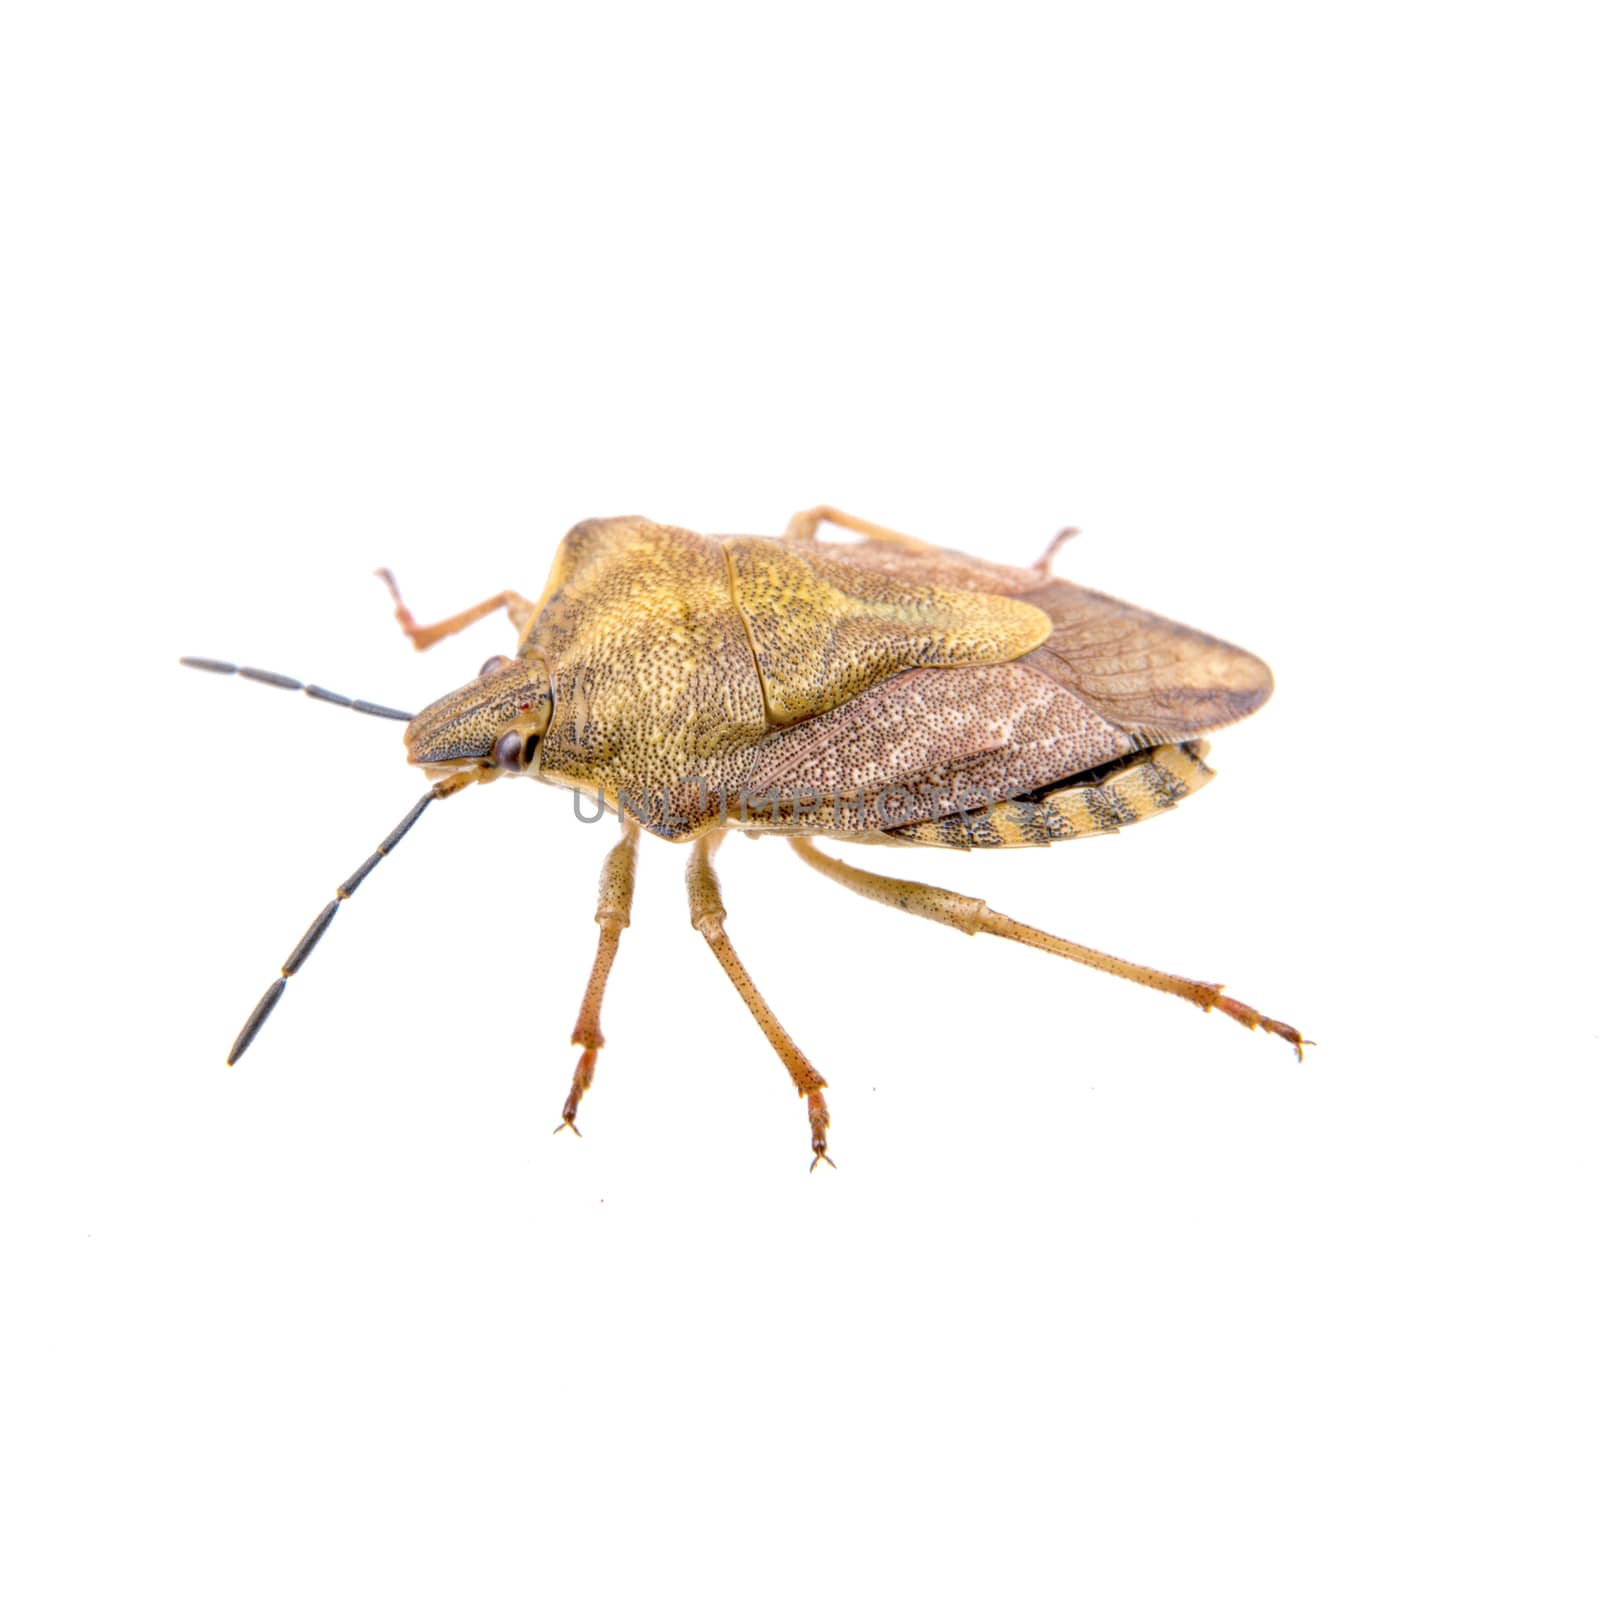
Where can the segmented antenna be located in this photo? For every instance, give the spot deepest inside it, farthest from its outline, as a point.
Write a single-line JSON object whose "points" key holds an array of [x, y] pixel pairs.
{"points": [[319, 924], [279, 681]]}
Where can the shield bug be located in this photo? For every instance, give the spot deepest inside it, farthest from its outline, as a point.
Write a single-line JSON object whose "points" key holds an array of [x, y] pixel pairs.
{"points": [[881, 692]]}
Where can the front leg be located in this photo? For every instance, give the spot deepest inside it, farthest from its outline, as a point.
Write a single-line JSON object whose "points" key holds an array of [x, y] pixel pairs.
{"points": [[612, 913], [425, 635]]}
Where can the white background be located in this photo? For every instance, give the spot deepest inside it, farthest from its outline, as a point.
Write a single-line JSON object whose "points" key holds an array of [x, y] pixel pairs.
{"points": [[1293, 310]]}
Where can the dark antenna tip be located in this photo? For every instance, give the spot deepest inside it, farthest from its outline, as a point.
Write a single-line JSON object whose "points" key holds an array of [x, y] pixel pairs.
{"points": [[279, 680], [252, 1026], [307, 941]]}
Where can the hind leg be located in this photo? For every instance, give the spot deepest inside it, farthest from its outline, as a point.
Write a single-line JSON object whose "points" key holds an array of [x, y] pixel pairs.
{"points": [[974, 916]]}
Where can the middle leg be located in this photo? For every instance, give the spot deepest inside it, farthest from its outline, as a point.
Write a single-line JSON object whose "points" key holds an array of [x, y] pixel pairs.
{"points": [[803, 527], [707, 913]]}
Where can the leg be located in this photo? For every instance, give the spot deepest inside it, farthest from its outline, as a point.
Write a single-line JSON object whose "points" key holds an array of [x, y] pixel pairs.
{"points": [[424, 636], [803, 525], [616, 901], [706, 912], [1043, 563], [973, 916]]}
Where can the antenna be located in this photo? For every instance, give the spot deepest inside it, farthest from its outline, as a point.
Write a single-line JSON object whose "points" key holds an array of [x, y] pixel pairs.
{"points": [[279, 681], [319, 924]]}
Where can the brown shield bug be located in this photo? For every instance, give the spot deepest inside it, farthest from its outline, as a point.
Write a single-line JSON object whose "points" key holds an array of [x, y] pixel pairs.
{"points": [[885, 692]]}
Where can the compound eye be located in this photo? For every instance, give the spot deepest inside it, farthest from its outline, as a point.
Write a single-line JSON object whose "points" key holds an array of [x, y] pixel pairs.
{"points": [[508, 751], [493, 664]]}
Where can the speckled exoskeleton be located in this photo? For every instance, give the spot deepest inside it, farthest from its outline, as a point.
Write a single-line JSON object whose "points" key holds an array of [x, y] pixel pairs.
{"points": [[880, 692]]}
